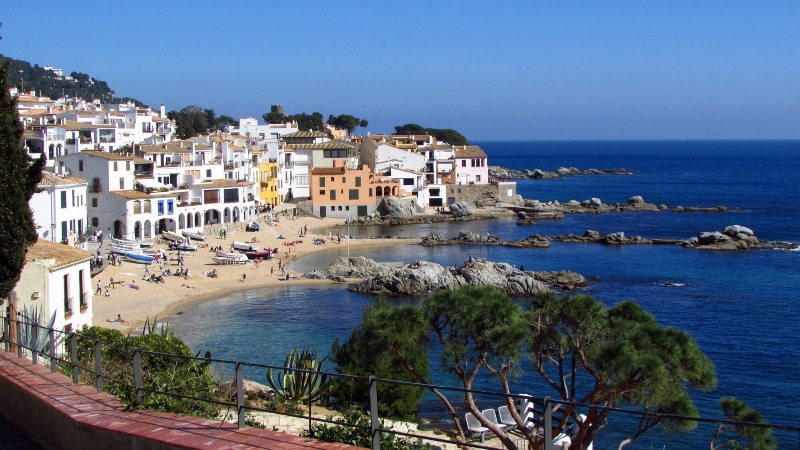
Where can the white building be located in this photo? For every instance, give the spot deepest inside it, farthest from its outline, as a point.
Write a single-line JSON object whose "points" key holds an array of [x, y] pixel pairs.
{"points": [[59, 208], [380, 156], [56, 279]]}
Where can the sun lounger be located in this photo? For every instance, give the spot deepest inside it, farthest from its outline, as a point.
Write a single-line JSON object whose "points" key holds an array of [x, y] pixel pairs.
{"points": [[474, 427], [491, 417], [505, 417]]}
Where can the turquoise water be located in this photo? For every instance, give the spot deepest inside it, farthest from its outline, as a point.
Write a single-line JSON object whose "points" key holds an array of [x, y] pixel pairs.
{"points": [[741, 307]]}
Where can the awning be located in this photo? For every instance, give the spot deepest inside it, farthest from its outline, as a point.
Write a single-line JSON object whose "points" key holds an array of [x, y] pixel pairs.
{"points": [[151, 183]]}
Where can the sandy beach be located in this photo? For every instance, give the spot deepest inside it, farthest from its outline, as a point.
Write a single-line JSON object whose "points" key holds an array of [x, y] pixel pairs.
{"points": [[157, 300]]}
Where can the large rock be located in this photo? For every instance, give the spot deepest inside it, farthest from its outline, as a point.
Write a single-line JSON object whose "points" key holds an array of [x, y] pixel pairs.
{"points": [[398, 207], [734, 237], [355, 267], [636, 200], [460, 209], [421, 277], [561, 279]]}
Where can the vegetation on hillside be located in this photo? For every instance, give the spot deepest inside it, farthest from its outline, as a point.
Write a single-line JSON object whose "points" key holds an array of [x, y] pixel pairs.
{"points": [[193, 120], [447, 135], [19, 178]]}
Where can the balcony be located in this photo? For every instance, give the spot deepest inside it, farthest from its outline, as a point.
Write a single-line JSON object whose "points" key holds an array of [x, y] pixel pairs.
{"points": [[84, 304], [68, 307], [85, 140], [95, 188], [70, 141], [107, 140]]}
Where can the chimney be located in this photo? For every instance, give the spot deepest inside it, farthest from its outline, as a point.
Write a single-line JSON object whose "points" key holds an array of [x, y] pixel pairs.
{"points": [[163, 112]]}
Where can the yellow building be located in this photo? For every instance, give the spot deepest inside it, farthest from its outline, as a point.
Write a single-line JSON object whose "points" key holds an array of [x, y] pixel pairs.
{"points": [[268, 184]]}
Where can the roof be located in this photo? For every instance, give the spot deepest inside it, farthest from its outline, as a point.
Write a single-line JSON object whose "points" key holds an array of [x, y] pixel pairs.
{"points": [[305, 134], [63, 254], [327, 170], [51, 179], [164, 148], [33, 98], [224, 183], [469, 151], [72, 125], [114, 156], [137, 195], [330, 145]]}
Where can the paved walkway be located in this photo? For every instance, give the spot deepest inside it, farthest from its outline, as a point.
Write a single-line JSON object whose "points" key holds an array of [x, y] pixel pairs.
{"points": [[106, 416]]}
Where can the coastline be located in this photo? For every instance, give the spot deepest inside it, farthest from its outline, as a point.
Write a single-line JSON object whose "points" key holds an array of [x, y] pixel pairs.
{"points": [[157, 300]]}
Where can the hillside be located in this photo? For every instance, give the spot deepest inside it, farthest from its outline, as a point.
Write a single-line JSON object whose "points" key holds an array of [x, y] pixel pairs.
{"points": [[48, 84]]}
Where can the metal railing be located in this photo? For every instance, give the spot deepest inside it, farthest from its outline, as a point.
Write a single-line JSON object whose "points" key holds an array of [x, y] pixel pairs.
{"points": [[539, 415]]}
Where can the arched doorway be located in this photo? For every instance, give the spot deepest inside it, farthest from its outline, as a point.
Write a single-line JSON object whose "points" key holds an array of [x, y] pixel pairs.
{"points": [[148, 227], [181, 222], [137, 230], [118, 229]]}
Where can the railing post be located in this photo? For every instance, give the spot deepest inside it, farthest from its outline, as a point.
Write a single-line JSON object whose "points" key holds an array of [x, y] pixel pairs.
{"points": [[7, 332], [34, 343], [19, 338], [240, 395], [374, 421], [310, 384], [53, 366], [548, 424], [98, 365], [73, 353], [137, 375]]}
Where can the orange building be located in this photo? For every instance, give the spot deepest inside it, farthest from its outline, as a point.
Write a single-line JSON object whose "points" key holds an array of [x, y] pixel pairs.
{"points": [[339, 192]]}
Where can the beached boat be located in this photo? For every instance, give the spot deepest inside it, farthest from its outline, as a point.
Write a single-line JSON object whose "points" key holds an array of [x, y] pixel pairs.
{"points": [[130, 243], [245, 246], [121, 250], [263, 255], [225, 260], [235, 255], [194, 235], [185, 246], [172, 236], [139, 258]]}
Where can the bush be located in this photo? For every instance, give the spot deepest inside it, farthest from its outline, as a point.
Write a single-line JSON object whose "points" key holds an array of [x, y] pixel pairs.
{"points": [[358, 435]]}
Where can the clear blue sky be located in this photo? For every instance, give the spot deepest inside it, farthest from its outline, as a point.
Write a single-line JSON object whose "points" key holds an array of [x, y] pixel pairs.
{"points": [[492, 70]]}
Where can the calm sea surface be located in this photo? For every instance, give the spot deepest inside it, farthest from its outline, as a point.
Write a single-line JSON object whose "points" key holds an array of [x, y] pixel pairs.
{"points": [[741, 307]]}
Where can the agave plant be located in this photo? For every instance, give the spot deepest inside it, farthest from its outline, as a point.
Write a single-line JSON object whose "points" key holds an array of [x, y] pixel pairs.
{"points": [[297, 386], [29, 317]]}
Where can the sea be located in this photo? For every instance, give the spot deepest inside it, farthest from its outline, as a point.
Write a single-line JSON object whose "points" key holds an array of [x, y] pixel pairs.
{"points": [[741, 307]]}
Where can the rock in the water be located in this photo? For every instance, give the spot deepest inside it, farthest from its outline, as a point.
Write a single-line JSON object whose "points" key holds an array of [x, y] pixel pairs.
{"points": [[615, 238], [636, 200], [562, 279], [595, 202], [734, 237], [525, 219], [591, 234]]}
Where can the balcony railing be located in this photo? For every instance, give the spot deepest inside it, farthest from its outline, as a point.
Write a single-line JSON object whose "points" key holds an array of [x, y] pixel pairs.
{"points": [[68, 306], [95, 188], [84, 303], [85, 140], [106, 140]]}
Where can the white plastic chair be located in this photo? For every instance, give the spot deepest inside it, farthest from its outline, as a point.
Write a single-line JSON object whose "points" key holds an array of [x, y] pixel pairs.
{"points": [[474, 427], [505, 417], [491, 417]]}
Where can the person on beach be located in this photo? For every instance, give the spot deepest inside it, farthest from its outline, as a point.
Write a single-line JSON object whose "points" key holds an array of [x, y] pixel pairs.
{"points": [[99, 287], [107, 294], [244, 277], [111, 283]]}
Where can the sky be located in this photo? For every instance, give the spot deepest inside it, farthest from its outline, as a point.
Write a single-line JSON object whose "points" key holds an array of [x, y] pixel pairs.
{"points": [[527, 70]]}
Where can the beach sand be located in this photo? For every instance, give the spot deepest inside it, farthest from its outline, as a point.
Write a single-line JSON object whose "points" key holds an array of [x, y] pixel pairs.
{"points": [[157, 300]]}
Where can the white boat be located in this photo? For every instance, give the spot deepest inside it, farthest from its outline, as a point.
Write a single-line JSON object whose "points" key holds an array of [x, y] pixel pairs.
{"points": [[172, 236], [226, 261], [244, 246], [131, 243], [124, 249], [185, 246], [233, 255], [139, 258], [194, 235]]}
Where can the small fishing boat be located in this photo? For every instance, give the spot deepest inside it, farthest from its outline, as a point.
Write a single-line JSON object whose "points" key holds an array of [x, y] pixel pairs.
{"points": [[139, 258], [133, 243], [121, 250], [172, 236], [225, 261], [245, 246], [185, 246], [194, 235], [263, 255], [233, 255]]}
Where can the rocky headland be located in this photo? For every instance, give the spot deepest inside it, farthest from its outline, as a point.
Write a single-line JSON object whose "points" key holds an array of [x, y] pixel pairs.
{"points": [[422, 277], [502, 173]]}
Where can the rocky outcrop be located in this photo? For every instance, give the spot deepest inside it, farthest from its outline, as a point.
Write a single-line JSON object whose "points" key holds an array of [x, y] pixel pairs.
{"points": [[470, 238], [422, 277], [734, 237], [503, 173], [398, 207], [460, 209], [704, 209], [524, 219]]}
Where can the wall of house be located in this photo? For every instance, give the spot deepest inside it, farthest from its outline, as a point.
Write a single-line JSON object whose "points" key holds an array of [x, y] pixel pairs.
{"points": [[48, 213], [472, 192], [39, 276]]}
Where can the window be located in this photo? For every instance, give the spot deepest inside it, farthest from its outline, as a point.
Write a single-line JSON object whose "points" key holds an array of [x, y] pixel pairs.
{"points": [[340, 208], [161, 207], [231, 196], [73, 198], [333, 208], [137, 207], [353, 194], [370, 192], [95, 222], [115, 166], [358, 181], [435, 192], [334, 153], [122, 182], [81, 292], [147, 206], [463, 163], [477, 178], [333, 194], [169, 206], [94, 203], [63, 199], [321, 181], [408, 181], [344, 180], [347, 208], [67, 299], [80, 166], [208, 173], [473, 163], [331, 178], [322, 192]]}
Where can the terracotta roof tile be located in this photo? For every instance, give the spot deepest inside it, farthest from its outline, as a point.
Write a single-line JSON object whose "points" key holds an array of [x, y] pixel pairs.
{"points": [[63, 254], [51, 179], [469, 151], [327, 170]]}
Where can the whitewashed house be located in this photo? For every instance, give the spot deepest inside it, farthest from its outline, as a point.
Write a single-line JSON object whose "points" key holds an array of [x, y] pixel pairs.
{"points": [[59, 208], [56, 279], [471, 165]]}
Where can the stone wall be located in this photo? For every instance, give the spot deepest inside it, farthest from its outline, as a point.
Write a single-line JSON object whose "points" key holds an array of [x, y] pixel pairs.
{"points": [[505, 192]]}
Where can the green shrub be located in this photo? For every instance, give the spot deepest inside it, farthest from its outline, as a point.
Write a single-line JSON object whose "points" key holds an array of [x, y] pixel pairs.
{"points": [[358, 436]]}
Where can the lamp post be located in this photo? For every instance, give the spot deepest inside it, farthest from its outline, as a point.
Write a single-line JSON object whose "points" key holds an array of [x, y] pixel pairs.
{"points": [[309, 364]]}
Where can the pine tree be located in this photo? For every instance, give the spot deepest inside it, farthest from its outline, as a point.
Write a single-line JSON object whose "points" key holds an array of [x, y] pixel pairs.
{"points": [[18, 180]]}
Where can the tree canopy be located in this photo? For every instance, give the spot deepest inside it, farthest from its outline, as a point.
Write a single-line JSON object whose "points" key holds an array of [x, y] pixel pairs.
{"points": [[19, 178], [447, 135], [193, 120], [586, 352], [315, 121]]}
